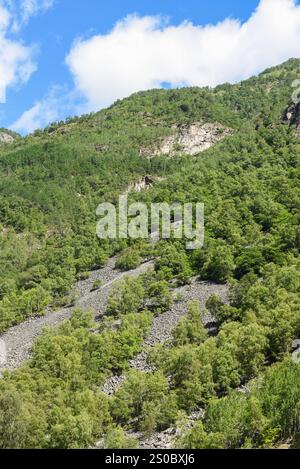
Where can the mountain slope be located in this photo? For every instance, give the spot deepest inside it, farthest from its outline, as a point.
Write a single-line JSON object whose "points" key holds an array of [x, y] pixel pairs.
{"points": [[51, 183]]}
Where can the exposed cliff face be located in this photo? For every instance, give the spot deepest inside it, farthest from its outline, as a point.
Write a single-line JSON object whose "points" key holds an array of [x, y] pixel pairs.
{"points": [[6, 138], [190, 139], [293, 116]]}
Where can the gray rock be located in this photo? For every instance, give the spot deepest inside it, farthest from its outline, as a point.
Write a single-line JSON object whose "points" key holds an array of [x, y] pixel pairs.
{"points": [[292, 116], [6, 138], [164, 324], [189, 139], [19, 339]]}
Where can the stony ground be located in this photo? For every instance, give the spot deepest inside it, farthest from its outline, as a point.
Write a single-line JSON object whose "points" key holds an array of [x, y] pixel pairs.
{"points": [[164, 324], [19, 339], [161, 331]]}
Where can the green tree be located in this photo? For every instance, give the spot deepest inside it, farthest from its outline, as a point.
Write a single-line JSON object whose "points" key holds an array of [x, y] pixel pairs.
{"points": [[127, 297], [191, 330]]}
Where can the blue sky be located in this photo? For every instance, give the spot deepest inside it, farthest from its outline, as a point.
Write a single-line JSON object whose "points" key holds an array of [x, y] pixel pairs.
{"points": [[69, 57]]}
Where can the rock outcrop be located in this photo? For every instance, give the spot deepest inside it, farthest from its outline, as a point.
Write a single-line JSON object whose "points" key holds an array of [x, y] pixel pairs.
{"points": [[143, 184], [292, 116], [6, 138], [190, 139]]}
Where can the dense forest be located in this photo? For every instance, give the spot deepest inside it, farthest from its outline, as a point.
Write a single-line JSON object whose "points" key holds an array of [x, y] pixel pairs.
{"points": [[239, 373]]}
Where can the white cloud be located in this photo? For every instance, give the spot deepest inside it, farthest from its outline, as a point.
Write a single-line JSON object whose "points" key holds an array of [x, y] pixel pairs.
{"points": [[58, 103], [16, 59], [25, 9], [16, 63], [32, 7], [36, 117], [4, 18], [143, 52]]}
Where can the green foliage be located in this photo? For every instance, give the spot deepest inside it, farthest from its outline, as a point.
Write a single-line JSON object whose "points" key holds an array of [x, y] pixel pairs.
{"points": [[173, 263], [198, 438], [51, 183], [116, 438], [96, 285], [222, 312], [129, 260], [127, 297], [146, 398], [267, 415], [54, 402], [219, 265], [160, 297], [190, 372], [191, 329]]}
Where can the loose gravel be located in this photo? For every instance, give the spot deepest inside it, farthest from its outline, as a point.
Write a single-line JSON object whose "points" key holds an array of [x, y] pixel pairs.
{"points": [[164, 324], [18, 340], [161, 330]]}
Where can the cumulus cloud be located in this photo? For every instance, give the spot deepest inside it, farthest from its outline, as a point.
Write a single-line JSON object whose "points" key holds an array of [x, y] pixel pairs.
{"points": [[144, 52], [16, 60]]}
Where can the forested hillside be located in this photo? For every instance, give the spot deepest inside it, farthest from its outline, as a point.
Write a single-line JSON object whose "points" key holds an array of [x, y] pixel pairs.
{"points": [[236, 373]]}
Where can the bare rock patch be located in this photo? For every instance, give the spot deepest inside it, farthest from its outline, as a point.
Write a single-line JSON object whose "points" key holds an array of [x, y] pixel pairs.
{"points": [[6, 138], [190, 139]]}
